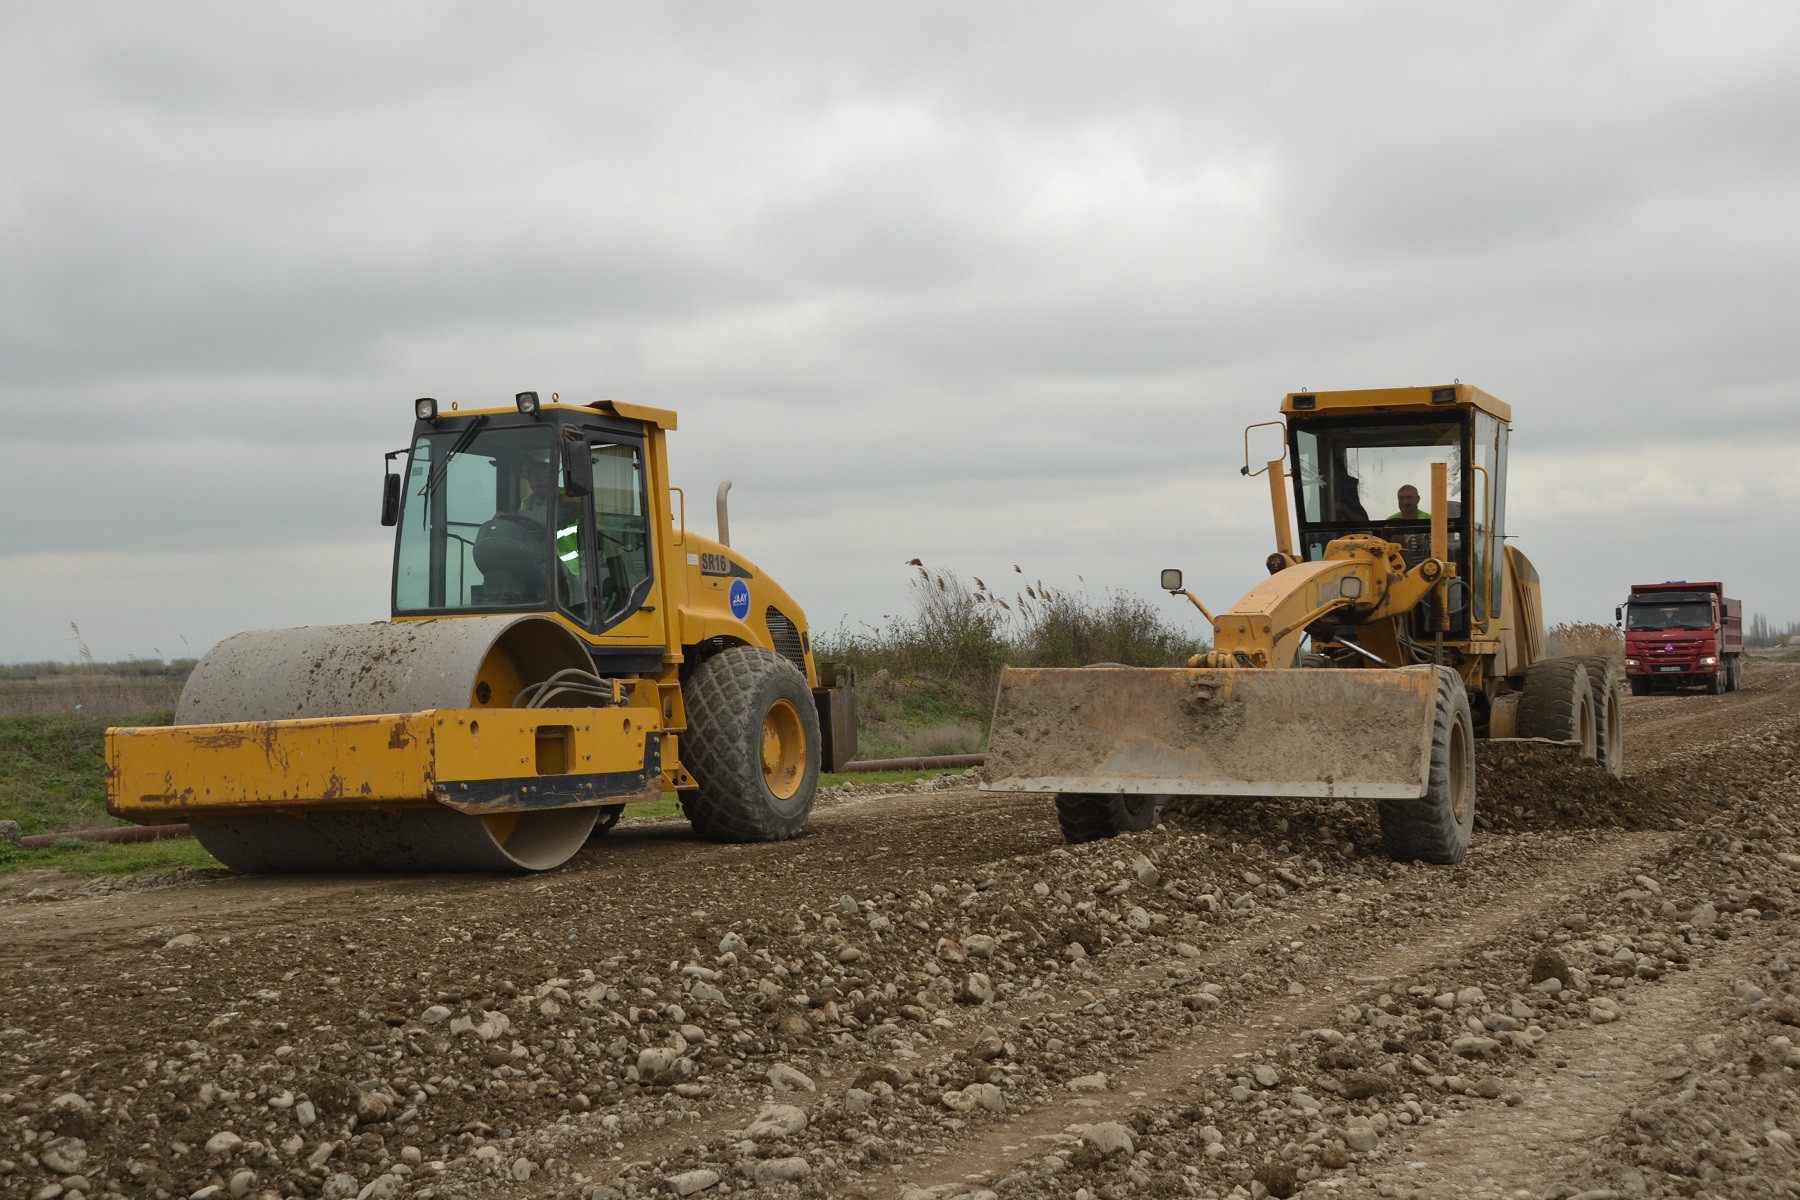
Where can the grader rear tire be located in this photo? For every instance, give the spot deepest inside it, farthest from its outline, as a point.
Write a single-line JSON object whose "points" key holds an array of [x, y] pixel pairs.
{"points": [[1606, 683], [1087, 817], [1435, 827], [753, 745], [1558, 703]]}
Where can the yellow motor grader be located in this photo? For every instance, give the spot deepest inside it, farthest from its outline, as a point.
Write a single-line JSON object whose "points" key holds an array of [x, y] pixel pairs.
{"points": [[1393, 630], [561, 646]]}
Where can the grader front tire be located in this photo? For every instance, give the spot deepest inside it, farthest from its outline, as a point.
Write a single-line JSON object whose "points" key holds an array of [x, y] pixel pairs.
{"points": [[753, 745], [1086, 817], [1435, 827]]}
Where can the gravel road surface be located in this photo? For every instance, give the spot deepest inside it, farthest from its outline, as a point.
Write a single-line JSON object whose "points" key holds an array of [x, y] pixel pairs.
{"points": [[931, 996]]}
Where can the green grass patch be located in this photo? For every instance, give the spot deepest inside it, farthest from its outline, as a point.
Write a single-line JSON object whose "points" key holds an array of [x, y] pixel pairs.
{"points": [[95, 859], [53, 770]]}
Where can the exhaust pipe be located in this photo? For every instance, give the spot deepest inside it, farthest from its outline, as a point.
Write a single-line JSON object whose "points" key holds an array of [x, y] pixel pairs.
{"points": [[724, 520]]}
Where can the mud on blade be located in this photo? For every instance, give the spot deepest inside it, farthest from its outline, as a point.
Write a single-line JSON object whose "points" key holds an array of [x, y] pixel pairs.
{"points": [[1309, 733]]}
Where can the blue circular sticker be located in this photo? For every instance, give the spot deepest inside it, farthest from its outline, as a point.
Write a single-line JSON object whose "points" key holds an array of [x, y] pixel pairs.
{"points": [[740, 599]]}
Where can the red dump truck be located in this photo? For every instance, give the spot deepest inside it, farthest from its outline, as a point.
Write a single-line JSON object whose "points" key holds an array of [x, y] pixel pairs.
{"points": [[1682, 634]]}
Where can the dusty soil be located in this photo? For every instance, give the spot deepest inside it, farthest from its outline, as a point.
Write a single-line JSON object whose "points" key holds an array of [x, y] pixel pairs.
{"points": [[930, 995]]}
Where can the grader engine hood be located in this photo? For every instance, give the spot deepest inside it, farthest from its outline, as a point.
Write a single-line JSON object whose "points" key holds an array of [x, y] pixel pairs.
{"points": [[1208, 732]]}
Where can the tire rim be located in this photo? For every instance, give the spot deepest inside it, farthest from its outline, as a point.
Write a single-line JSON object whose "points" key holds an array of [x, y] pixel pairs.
{"points": [[1136, 805], [783, 750], [1459, 772]]}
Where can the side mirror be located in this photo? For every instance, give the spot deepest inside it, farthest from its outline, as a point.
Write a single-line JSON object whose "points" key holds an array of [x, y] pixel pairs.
{"points": [[577, 467], [1619, 615], [390, 500], [1171, 580]]}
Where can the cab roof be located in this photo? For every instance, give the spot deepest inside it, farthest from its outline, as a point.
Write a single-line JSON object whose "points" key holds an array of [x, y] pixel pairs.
{"points": [[1402, 399], [662, 418]]}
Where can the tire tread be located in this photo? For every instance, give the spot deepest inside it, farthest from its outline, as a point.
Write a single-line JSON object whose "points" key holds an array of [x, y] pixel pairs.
{"points": [[724, 700]]}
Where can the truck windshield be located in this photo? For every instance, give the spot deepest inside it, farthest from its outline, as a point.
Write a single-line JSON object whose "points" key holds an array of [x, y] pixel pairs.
{"points": [[1689, 614], [476, 521]]}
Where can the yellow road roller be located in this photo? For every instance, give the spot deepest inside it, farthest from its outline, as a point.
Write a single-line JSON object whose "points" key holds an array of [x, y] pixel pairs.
{"points": [[1396, 626], [561, 646]]}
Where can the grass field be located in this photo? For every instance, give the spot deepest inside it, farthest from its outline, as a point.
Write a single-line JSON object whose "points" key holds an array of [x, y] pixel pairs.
{"points": [[52, 779]]}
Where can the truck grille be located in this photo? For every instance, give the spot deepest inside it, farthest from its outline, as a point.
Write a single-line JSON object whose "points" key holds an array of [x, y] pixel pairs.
{"points": [[786, 636]]}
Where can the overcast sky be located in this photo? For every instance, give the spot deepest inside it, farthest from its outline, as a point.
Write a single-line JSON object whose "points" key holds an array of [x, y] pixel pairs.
{"points": [[981, 284]]}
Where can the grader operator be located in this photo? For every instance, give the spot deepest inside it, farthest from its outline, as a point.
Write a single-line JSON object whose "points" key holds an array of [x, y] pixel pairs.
{"points": [[1364, 666], [561, 646]]}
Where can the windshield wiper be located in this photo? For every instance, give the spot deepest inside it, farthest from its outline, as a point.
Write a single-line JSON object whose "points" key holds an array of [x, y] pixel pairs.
{"points": [[456, 448]]}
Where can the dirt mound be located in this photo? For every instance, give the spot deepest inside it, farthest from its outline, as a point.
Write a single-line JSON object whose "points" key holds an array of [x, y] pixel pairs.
{"points": [[1522, 786]]}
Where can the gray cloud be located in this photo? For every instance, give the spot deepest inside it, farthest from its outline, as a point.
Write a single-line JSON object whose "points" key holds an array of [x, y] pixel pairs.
{"points": [[984, 285]]}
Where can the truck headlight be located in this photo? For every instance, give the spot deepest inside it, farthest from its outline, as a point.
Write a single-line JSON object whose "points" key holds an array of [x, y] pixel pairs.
{"points": [[1631, 662], [1709, 661]]}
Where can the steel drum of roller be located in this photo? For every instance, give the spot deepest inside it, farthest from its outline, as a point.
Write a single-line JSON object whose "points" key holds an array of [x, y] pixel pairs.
{"points": [[357, 670]]}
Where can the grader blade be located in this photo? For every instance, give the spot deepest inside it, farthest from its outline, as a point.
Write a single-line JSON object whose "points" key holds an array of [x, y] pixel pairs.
{"points": [[1183, 732]]}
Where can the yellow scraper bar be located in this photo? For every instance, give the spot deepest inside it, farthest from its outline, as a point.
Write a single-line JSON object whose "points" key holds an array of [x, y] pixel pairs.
{"points": [[473, 760]]}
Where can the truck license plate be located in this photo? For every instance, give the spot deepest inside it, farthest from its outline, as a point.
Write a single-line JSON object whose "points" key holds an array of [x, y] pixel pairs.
{"points": [[1668, 668]]}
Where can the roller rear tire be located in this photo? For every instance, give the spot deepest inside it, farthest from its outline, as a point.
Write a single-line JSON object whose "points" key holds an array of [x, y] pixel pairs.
{"points": [[1436, 827], [1086, 817], [753, 745]]}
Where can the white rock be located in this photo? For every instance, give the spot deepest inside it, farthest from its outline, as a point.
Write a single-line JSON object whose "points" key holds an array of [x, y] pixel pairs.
{"points": [[491, 1025], [241, 1182], [782, 1170], [1109, 1138], [731, 943], [653, 1061], [689, 1182], [305, 1113], [980, 945], [1145, 871], [986, 1095], [1362, 1137], [522, 1169], [787, 1079], [182, 941], [435, 1014], [64, 1155], [1087, 1083], [382, 1187], [1266, 1076], [977, 989], [775, 1122], [1137, 919], [223, 1143]]}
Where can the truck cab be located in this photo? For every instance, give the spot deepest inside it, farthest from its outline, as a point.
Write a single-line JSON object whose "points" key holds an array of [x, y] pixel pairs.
{"points": [[1682, 634]]}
